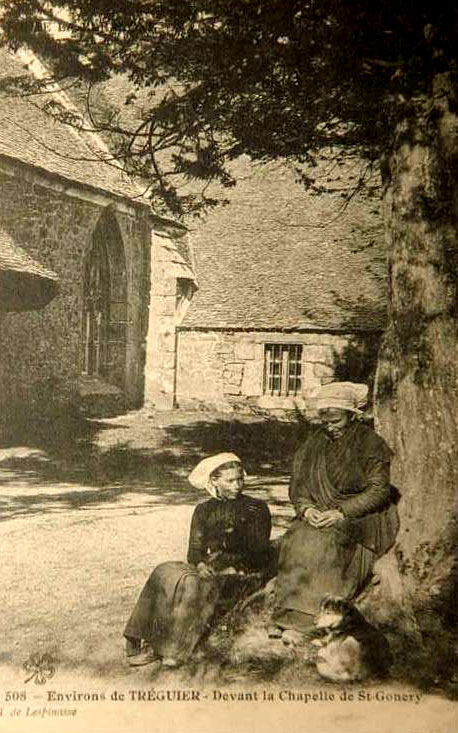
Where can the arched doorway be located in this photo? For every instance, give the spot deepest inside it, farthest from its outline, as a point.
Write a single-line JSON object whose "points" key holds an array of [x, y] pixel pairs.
{"points": [[105, 305]]}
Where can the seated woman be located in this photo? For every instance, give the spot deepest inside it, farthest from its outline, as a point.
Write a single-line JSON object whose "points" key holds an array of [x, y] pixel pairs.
{"points": [[345, 515], [228, 545]]}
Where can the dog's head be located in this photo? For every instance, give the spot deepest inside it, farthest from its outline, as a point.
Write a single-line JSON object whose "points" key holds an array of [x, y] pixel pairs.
{"points": [[333, 612]]}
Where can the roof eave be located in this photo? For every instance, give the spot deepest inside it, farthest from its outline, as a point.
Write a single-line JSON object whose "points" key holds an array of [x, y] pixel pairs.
{"points": [[341, 330], [69, 183]]}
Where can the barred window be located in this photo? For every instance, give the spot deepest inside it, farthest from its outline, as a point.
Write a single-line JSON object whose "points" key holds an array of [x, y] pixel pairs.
{"points": [[282, 369]]}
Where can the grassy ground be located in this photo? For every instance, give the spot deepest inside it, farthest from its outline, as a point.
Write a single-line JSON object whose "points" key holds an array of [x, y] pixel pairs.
{"points": [[85, 519]]}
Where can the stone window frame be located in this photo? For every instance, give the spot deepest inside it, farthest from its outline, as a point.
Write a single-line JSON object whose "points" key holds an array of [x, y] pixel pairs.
{"points": [[282, 374]]}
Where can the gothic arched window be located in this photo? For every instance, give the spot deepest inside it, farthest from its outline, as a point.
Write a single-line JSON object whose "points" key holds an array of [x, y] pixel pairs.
{"points": [[105, 305]]}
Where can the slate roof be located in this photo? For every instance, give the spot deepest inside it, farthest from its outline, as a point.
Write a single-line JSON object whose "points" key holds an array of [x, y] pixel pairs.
{"points": [[278, 258], [24, 283], [29, 135]]}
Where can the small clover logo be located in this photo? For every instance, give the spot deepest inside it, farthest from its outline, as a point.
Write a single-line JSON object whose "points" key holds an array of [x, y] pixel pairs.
{"points": [[40, 667]]}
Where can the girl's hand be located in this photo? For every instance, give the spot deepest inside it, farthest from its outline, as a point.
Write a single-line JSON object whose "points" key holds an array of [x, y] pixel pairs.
{"points": [[228, 571], [205, 570]]}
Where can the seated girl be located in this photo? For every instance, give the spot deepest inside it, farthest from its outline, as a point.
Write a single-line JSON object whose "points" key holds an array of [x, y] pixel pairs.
{"points": [[228, 546]]}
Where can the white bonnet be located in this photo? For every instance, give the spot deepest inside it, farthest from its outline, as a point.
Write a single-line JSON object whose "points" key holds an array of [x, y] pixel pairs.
{"points": [[350, 396], [200, 475]]}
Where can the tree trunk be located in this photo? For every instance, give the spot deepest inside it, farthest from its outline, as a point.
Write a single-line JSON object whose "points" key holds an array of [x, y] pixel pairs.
{"points": [[416, 384]]}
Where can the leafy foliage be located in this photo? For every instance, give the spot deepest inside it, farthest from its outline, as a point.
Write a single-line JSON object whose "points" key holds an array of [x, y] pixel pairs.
{"points": [[270, 78]]}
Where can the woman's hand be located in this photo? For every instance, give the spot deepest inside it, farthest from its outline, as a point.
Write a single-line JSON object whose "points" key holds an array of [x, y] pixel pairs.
{"points": [[205, 570], [331, 517], [319, 519], [312, 516]]}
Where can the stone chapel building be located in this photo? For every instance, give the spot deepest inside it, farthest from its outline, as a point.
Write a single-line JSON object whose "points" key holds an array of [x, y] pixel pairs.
{"points": [[252, 308], [71, 209]]}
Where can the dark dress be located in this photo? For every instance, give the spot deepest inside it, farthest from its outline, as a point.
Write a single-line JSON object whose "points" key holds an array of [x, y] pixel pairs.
{"points": [[177, 603], [351, 473]]}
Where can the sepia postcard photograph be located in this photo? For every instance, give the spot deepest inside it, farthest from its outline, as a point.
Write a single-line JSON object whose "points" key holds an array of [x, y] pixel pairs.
{"points": [[228, 366]]}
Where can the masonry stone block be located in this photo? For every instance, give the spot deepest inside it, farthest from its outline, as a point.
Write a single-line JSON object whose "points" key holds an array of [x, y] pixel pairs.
{"points": [[310, 339], [322, 370], [167, 306], [225, 358], [309, 379], [163, 401], [244, 350], [233, 374], [224, 347], [318, 354], [232, 389], [159, 290], [168, 359], [203, 336], [252, 378], [165, 341]]}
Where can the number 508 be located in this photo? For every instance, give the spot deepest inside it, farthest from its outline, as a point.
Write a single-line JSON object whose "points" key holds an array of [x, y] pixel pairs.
{"points": [[15, 696]]}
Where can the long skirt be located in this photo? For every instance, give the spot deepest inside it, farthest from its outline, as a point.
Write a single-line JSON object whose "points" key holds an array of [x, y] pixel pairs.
{"points": [[314, 563], [176, 606]]}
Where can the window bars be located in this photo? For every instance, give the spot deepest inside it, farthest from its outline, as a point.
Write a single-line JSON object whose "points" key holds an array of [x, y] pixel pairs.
{"points": [[282, 369]]}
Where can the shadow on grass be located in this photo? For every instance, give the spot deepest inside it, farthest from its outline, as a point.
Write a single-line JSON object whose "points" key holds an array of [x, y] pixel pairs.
{"points": [[77, 472], [264, 446]]}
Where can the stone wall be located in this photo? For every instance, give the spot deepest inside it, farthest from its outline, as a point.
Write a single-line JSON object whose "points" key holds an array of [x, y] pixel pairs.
{"points": [[41, 356], [225, 369], [172, 287]]}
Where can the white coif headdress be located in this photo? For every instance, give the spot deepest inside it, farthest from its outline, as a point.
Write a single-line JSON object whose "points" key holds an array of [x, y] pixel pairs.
{"points": [[200, 475], [342, 395]]}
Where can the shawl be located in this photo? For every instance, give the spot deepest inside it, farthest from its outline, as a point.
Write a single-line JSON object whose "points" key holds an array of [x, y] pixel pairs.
{"points": [[353, 474]]}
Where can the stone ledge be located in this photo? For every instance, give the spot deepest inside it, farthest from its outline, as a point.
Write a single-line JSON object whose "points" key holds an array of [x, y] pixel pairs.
{"points": [[96, 398]]}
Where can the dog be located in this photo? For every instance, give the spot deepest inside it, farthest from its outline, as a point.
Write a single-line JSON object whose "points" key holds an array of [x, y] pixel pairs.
{"points": [[349, 648]]}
